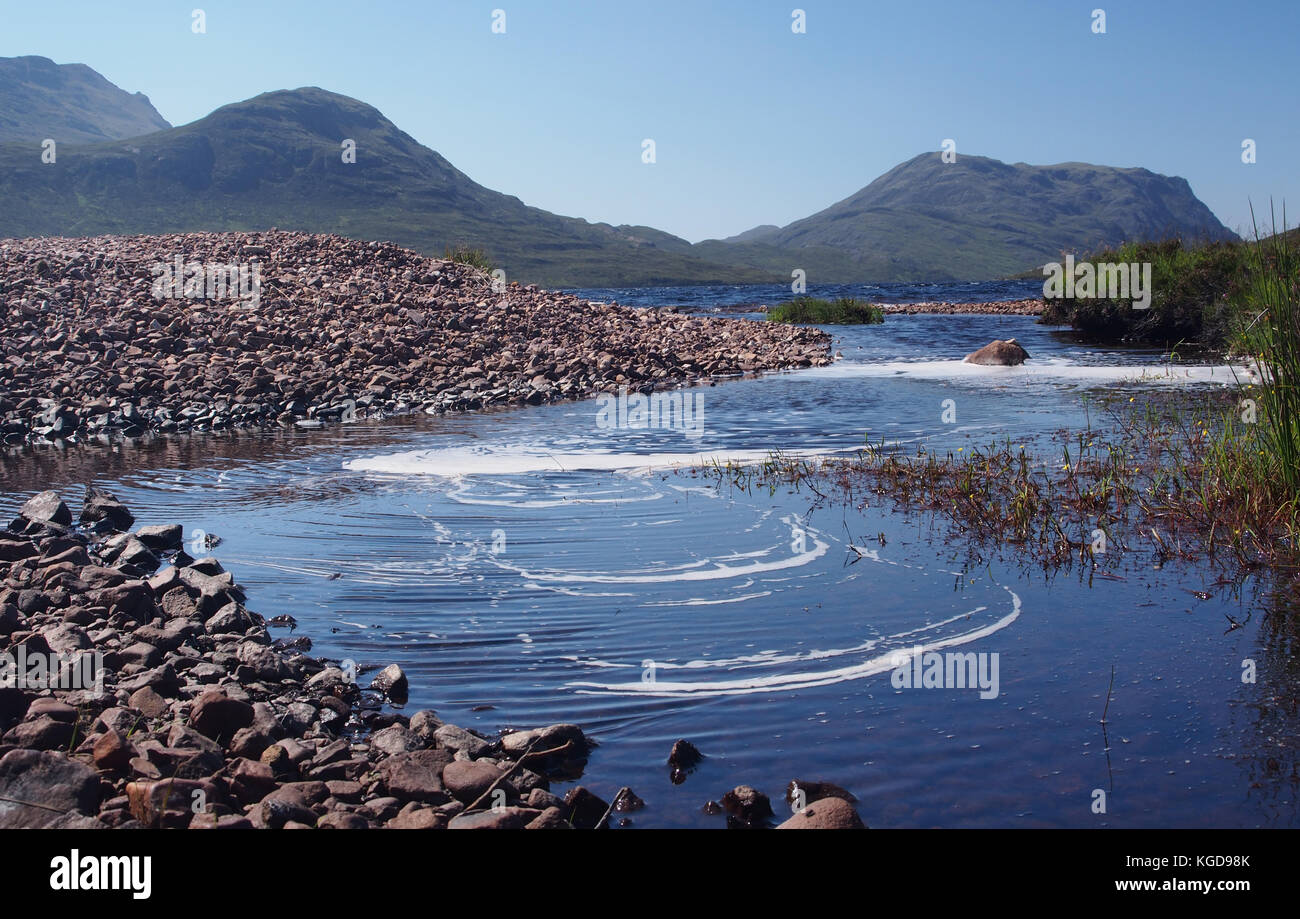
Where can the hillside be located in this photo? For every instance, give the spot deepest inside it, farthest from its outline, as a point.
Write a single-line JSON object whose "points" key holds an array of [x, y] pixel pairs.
{"points": [[275, 160], [976, 218], [69, 103]]}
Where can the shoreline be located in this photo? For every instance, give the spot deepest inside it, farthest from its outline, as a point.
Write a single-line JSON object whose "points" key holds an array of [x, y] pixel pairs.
{"points": [[1024, 307], [1030, 307], [197, 718]]}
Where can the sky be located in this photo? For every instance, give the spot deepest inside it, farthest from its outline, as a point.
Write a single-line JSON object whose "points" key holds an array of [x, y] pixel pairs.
{"points": [[752, 122]]}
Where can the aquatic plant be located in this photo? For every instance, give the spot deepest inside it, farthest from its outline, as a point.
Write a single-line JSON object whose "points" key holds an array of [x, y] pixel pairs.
{"points": [[841, 311], [1176, 475]]}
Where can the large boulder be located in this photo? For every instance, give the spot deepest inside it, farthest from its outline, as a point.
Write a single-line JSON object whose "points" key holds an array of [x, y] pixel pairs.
{"points": [[47, 508], [105, 512], [999, 353]]}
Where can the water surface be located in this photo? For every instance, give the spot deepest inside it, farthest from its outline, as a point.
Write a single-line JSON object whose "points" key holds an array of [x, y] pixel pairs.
{"points": [[527, 566]]}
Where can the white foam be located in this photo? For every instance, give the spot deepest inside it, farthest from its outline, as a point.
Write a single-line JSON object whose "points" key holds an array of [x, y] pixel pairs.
{"points": [[507, 459], [785, 682], [691, 571], [1047, 370]]}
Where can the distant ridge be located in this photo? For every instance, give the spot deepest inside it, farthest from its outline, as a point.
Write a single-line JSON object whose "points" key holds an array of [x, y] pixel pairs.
{"points": [[68, 103], [975, 219]]}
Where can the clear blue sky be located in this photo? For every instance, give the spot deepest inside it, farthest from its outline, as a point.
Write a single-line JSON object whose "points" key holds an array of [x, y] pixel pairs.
{"points": [[753, 123]]}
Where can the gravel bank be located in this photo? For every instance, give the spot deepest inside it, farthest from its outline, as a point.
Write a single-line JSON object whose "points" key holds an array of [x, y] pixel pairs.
{"points": [[994, 308], [98, 343]]}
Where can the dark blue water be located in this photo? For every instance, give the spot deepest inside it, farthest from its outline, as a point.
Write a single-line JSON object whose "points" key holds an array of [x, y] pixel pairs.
{"points": [[551, 567], [712, 298]]}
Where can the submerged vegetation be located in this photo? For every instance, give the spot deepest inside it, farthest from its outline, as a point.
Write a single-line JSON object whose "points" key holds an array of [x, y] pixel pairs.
{"points": [[1172, 479], [813, 311]]}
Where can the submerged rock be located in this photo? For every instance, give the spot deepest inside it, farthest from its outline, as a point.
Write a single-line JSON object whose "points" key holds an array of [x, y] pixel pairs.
{"points": [[747, 807], [682, 760]]}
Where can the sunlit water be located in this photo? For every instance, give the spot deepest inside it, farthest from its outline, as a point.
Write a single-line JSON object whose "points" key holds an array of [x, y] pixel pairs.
{"points": [[535, 565]]}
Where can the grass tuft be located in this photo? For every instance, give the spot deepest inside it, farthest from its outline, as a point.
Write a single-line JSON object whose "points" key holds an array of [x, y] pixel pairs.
{"points": [[467, 255], [812, 311], [1270, 335]]}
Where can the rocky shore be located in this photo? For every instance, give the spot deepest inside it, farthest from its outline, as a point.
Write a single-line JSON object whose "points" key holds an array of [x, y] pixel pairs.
{"points": [[138, 690], [98, 343], [992, 308]]}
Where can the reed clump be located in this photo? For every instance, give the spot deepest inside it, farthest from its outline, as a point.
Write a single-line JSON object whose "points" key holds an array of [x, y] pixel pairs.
{"points": [[813, 311]]}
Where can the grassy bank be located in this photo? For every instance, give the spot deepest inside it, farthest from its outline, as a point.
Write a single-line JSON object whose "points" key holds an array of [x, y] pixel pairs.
{"points": [[1199, 293], [813, 311], [1267, 331], [1193, 292]]}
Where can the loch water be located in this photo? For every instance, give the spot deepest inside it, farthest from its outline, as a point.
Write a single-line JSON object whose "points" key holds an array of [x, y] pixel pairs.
{"points": [[533, 565]]}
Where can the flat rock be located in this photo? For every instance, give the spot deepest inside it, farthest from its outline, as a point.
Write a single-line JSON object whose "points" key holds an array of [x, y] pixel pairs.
{"points": [[555, 735], [466, 780], [164, 538], [394, 739], [43, 733], [826, 814], [416, 776], [459, 740], [502, 818], [49, 779]]}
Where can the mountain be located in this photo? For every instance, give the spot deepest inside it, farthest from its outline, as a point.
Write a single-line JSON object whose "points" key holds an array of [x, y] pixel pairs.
{"points": [[977, 218], [276, 160], [757, 234], [69, 103]]}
